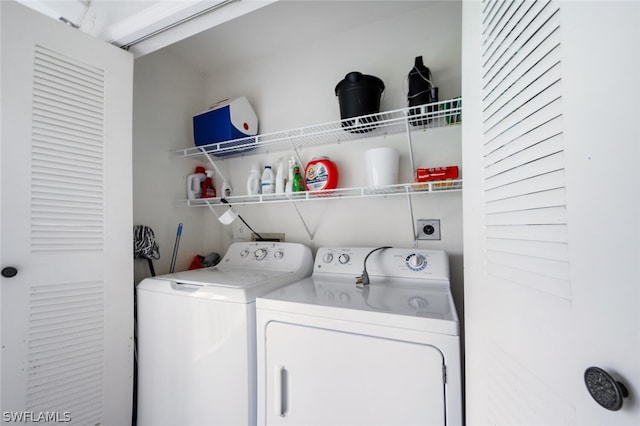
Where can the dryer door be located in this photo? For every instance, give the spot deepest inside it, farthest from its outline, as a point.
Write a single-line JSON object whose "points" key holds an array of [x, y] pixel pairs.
{"points": [[317, 376]]}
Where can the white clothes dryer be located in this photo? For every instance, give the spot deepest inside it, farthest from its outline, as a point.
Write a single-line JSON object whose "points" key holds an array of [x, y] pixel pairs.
{"points": [[196, 335], [387, 353]]}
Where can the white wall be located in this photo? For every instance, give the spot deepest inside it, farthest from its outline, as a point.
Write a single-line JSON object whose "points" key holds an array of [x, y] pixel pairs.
{"points": [[294, 87], [166, 95]]}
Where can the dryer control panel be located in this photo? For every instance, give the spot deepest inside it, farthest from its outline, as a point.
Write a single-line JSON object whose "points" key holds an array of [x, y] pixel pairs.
{"points": [[389, 262]]}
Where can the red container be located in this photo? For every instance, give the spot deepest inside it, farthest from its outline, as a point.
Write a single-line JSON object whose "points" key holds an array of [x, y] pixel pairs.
{"points": [[321, 173], [437, 173]]}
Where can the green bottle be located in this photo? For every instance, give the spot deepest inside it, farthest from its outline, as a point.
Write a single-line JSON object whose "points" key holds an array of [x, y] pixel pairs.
{"points": [[298, 184]]}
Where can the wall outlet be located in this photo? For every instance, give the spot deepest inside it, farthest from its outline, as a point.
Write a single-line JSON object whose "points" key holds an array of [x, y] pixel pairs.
{"points": [[428, 229]]}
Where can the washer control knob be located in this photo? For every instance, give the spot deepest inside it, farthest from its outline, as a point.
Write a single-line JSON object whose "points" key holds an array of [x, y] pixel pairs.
{"points": [[416, 262], [244, 253], [343, 258], [278, 255], [327, 258], [260, 254]]}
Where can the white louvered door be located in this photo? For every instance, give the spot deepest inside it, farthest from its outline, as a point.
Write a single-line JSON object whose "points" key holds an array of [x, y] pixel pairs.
{"points": [[66, 317], [550, 153]]}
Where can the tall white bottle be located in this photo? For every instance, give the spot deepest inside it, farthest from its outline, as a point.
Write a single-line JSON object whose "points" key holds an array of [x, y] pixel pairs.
{"points": [[280, 177], [253, 181], [268, 181]]}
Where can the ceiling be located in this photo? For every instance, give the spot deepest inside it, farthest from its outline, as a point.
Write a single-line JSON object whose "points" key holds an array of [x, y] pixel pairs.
{"points": [[279, 26], [240, 31]]}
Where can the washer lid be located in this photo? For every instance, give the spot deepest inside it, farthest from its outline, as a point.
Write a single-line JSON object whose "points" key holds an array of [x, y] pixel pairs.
{"points": [[226, 284], [413, 304], [226, 277]]}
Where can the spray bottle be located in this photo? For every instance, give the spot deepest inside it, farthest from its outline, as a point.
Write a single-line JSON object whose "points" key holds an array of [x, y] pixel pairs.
{"points": [[208, 189], [288, 187]]}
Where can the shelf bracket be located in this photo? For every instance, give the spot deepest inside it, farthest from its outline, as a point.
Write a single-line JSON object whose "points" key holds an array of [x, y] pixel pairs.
{"points": [[297, 154], [304, 223], [414, 231], [409, 141]]}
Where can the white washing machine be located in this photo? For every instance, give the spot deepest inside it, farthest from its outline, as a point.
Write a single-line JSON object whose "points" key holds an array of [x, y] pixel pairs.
{"points": [[196, 335], [333, 353]]}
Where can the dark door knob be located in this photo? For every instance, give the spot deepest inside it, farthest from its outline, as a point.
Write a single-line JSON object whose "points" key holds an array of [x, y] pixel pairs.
{"points": [[9, 272], [606, 391]]}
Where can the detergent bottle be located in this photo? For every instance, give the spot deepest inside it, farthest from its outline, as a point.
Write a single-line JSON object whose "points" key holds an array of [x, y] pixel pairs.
{"points": [[194, 183]]}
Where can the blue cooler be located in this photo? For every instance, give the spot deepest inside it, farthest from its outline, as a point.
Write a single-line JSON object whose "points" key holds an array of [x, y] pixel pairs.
{"points": [[229, 120]]}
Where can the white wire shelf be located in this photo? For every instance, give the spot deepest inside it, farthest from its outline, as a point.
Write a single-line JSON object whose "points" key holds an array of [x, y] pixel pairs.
{"points": [[335, 194], [437, 114]]}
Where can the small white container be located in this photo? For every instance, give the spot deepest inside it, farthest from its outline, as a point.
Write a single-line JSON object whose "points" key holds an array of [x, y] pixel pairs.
{"points": [[382, 166]]}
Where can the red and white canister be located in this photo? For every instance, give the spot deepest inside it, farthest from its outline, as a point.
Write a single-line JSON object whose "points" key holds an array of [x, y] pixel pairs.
{"points": [[321, 173]]}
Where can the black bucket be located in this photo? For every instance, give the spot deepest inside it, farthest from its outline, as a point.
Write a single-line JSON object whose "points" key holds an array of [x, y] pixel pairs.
{"points": [[359, 95]]}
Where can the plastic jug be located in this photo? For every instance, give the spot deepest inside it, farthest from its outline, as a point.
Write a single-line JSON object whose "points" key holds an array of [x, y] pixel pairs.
{"points": [[194, 183]]}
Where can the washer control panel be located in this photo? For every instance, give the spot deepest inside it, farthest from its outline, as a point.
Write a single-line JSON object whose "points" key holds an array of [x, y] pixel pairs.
{"points": [[390, 262], [266, 255]]}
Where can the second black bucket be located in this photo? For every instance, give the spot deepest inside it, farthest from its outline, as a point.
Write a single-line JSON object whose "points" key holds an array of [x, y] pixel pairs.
{"points": [[358, 95]]}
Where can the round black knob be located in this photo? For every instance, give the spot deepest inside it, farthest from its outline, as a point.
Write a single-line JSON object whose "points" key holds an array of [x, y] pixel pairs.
{"points": [[604, 389], [9, 272]]}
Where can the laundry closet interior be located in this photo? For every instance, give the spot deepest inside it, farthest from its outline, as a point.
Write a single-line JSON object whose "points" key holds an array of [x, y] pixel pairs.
{"points": [[286, 58]]}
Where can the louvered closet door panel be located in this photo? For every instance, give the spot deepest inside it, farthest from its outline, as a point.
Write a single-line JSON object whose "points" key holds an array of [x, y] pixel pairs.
{"points": [[523, 141], [67, 316], [518, 289], [67, 155], [550, 153]]}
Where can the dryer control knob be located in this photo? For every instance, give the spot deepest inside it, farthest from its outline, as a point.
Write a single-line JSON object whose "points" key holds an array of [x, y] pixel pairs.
{"points": [[327, 258], [278, 255], [260, 254], [343, 258], [416, 262], [244, 253]]}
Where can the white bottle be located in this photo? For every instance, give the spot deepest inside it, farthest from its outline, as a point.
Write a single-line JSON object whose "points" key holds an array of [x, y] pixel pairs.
{"points": [[268, 181], [253, 181], [194, 183], [280, 178]]}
